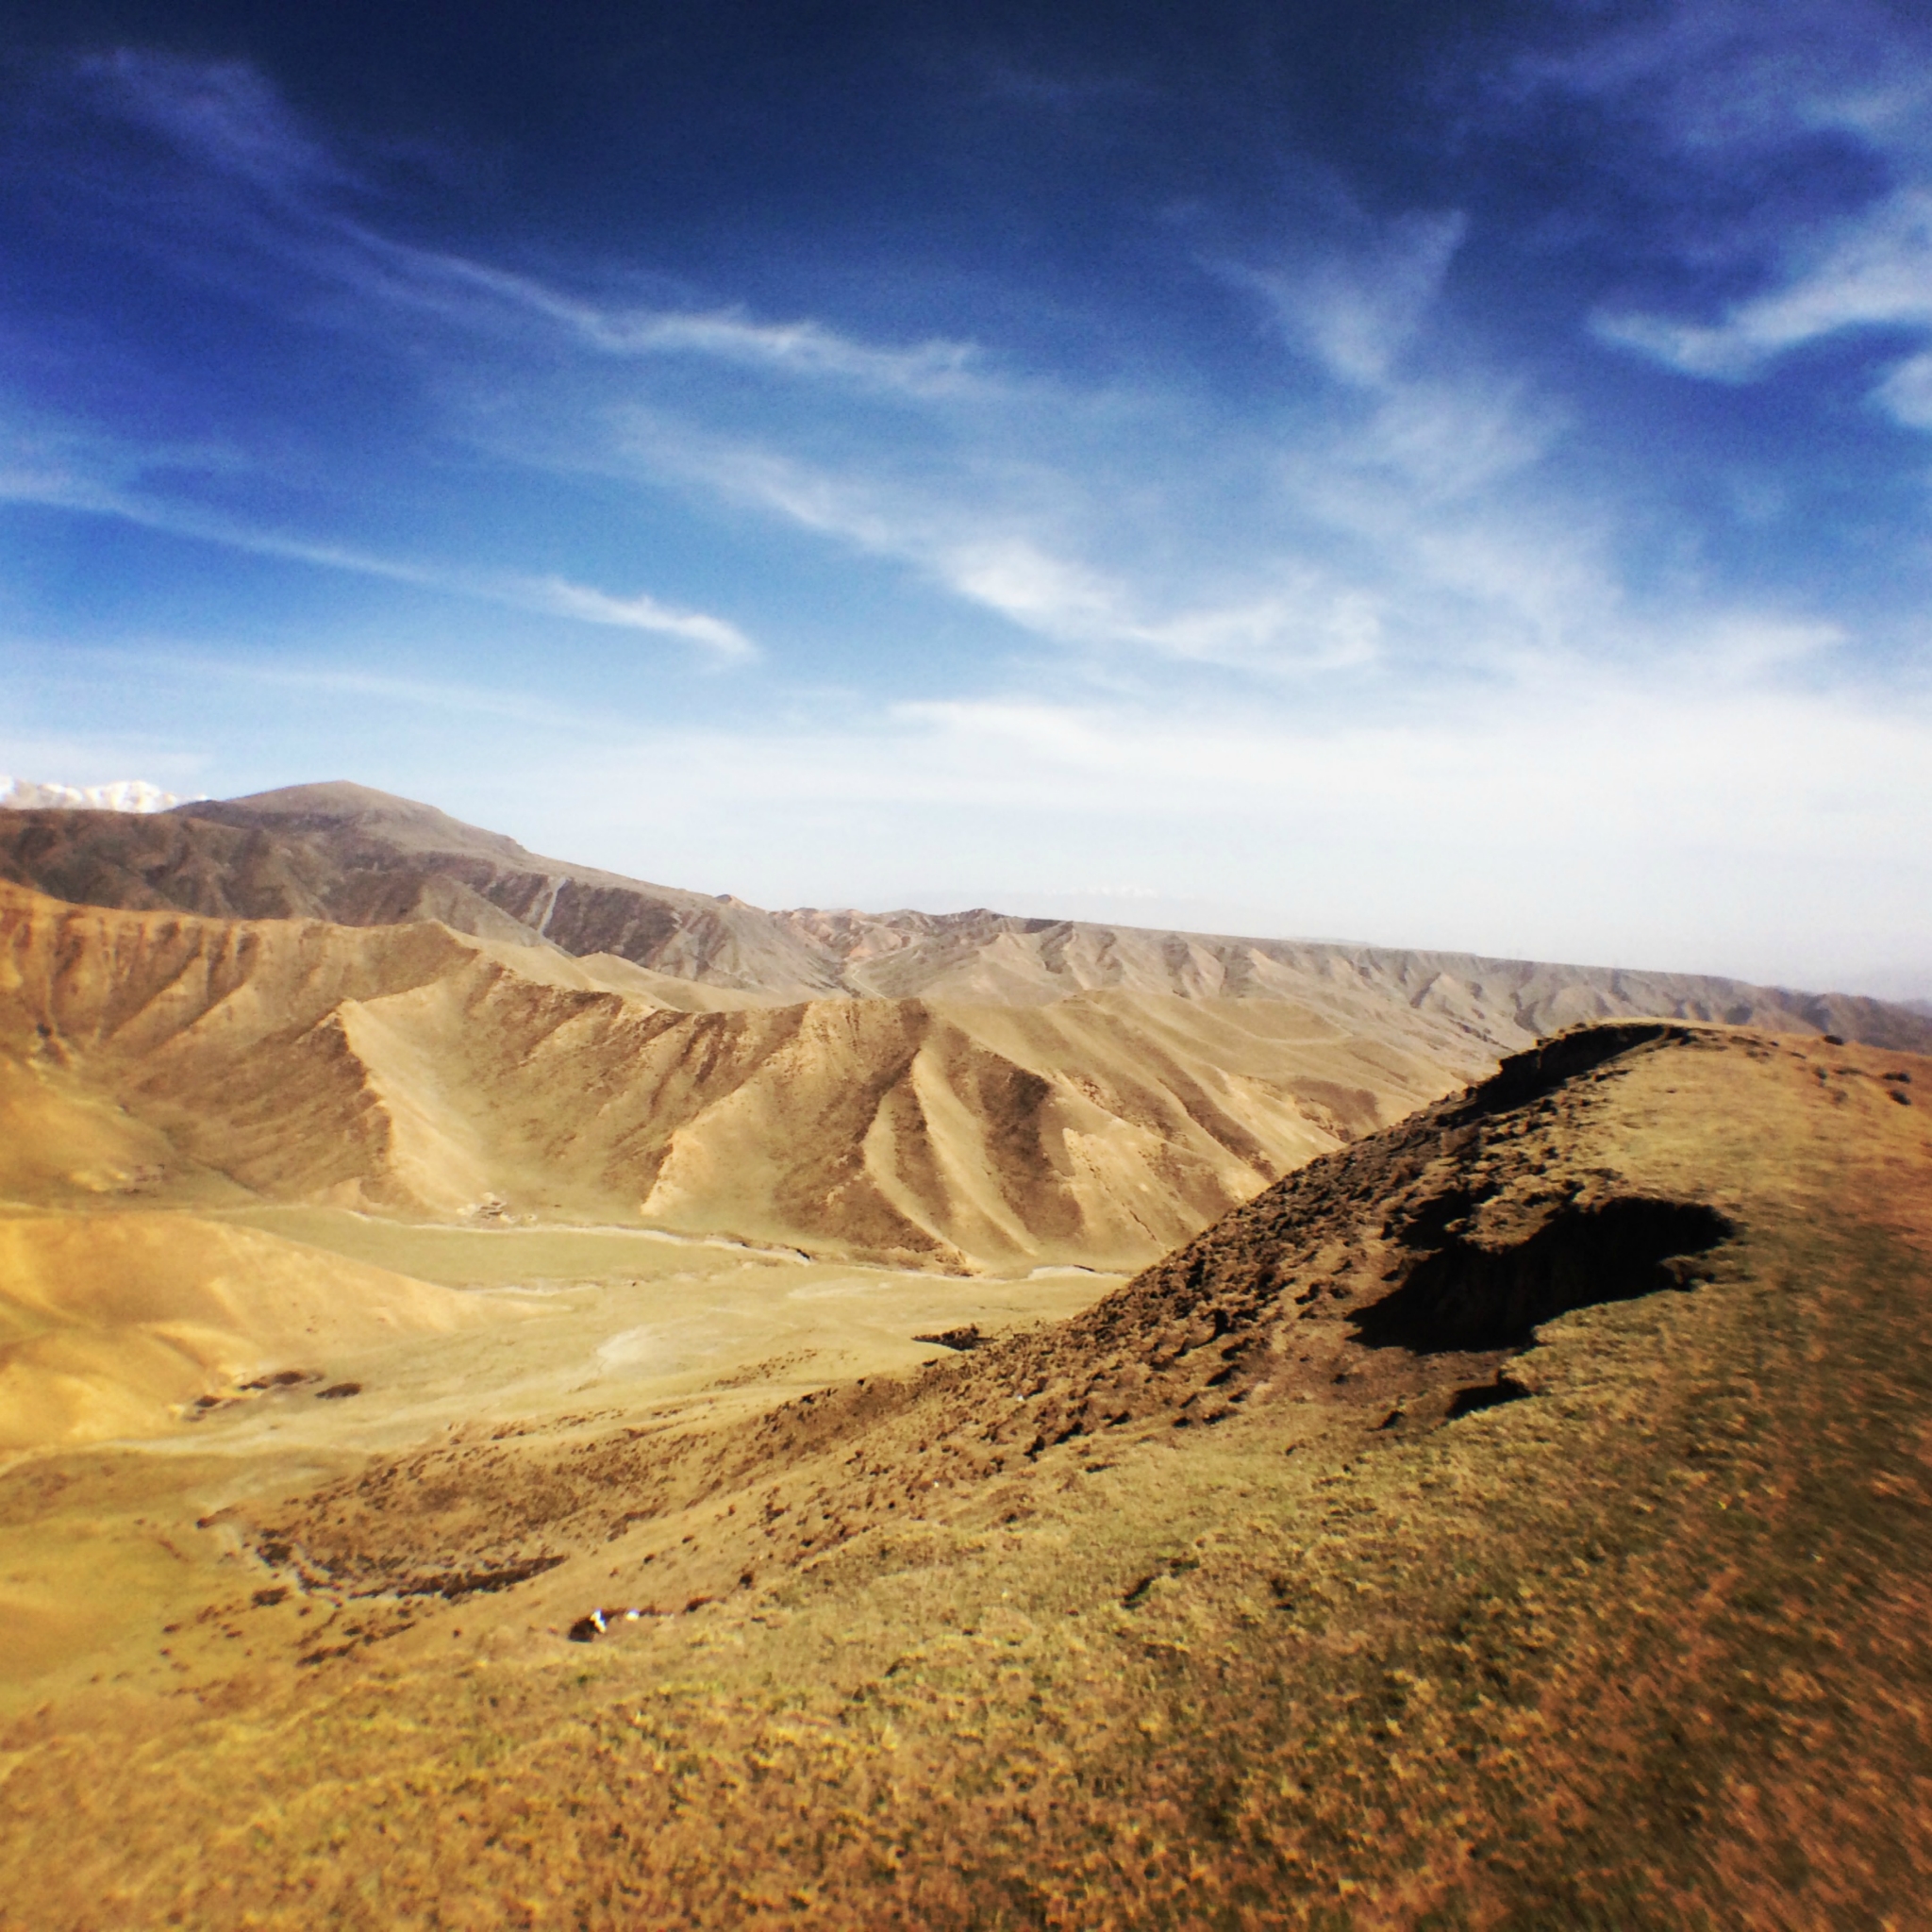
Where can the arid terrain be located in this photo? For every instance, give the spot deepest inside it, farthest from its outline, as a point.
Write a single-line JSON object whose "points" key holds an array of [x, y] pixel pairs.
{"points": [[484, 1441]]}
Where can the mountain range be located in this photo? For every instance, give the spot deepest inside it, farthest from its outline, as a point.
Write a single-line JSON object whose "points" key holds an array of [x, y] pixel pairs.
{"points": [[354, 856], [328, 995]]}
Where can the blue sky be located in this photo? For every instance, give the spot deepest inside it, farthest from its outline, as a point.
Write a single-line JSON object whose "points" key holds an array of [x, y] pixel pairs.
{"points": [[1454, 477]]}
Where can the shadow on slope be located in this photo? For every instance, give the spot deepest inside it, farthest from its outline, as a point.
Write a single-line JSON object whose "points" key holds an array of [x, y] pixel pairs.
{"points": [[1467, 1295]]}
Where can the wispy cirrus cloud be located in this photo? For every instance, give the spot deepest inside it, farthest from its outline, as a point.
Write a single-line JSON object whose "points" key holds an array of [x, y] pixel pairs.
{"points": [[1359, 302], [1830, 107], [641, 611], [1719, 80], [1448, 442], [1095, 521], [223, 114], [991, 547], [1906, 394], [804, 348], [1874, 273], [1307, 624], [1062, 511], [47, 474], [323, 680], [226, 119]]}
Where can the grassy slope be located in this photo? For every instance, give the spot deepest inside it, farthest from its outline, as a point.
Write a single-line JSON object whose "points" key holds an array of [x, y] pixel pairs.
{"points": [[1646, 1649]]}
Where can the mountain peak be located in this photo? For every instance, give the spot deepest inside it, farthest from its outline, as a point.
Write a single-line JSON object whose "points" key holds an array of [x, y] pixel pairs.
{"points": [[341, 804]]}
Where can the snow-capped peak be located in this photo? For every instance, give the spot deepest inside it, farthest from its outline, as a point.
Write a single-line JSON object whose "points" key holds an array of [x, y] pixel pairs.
{"points": [[122, 795]]}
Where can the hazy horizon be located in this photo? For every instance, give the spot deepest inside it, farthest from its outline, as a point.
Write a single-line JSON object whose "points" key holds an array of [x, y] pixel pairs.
{"points": [[1124, 908]]}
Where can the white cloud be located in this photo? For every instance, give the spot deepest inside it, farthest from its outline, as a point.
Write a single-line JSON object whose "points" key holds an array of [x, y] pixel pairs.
{"points": [[803, 348], [1314, 626], [1729, 80], [1906, 394], [1874, 273], [49, 475], [1357, 307], [1372, 548], [1290, 617], [1734, 88], [641, 612], [1013, 575], [1309, 623], [1452, 440]]}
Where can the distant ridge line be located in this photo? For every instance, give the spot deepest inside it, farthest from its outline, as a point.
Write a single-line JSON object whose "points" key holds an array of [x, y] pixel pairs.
{"points": [[353, 856]]}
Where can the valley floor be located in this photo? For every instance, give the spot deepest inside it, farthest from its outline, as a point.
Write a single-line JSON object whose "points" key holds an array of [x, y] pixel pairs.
{"points": [[98, 1545]]}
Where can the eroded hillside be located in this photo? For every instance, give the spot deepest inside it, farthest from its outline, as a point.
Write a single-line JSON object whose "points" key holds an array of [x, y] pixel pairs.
{"points": [[1515, 1518], [411, 1069]]}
